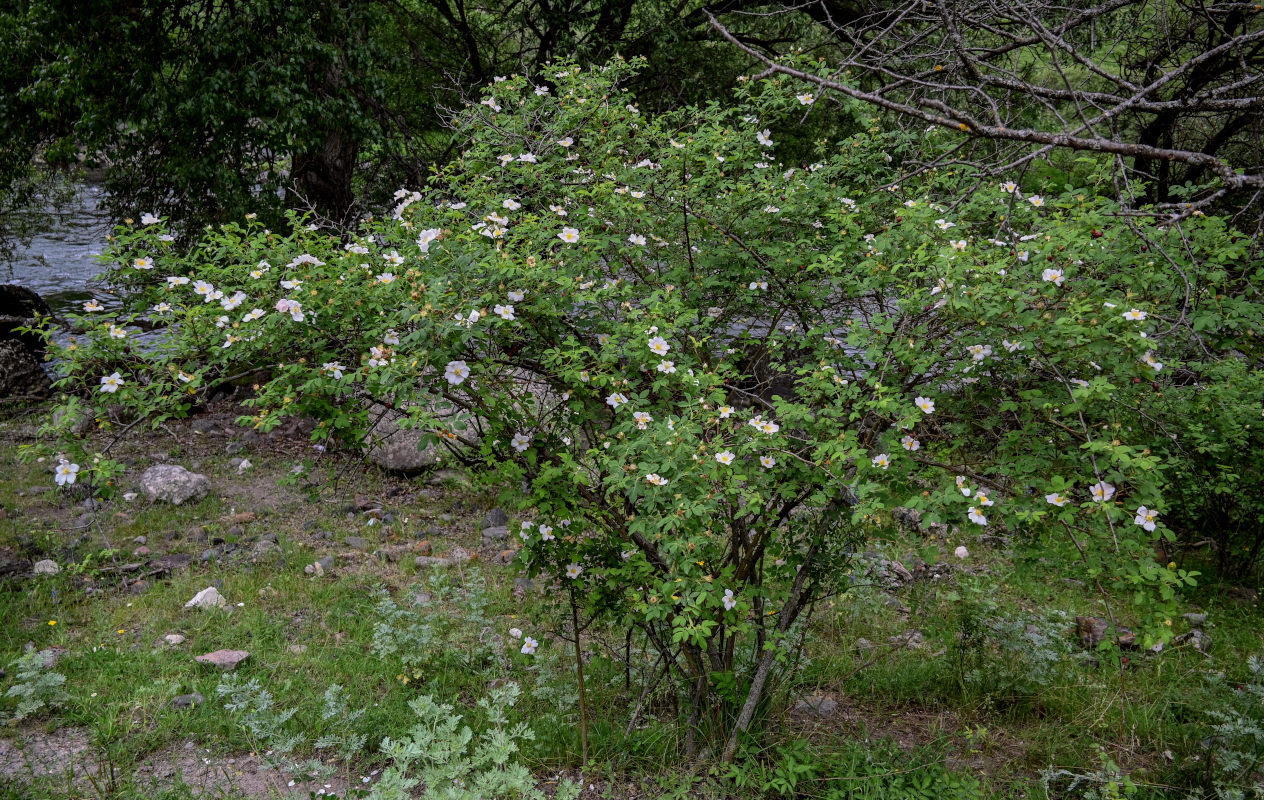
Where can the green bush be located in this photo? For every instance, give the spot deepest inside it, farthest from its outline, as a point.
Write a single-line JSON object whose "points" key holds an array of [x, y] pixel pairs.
{"points": [[713, 372]]}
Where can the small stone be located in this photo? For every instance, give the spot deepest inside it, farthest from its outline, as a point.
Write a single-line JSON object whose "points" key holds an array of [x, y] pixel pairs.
{"points": [[46, 567], [138, 587], [817, 705], [264, 551], [493, 535], [207, 598], [174, 484], [506, 557], [203, 425], [210, 554], [268, 592], [236, 531], [447, 519], [298, 649], [1196, 639], [385, 556], [864, 644], [140, 540], [141, 551], [188, 700], [423, 547], [911, 639], [433, 561], [173, 639], [1195, 619], [1092, 631], [388, 518], [233, 447], [357, 542], [496, 518], [130, 496], [460, 554], [226, 660]]}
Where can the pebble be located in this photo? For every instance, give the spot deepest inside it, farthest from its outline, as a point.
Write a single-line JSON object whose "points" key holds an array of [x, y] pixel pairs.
{"points": [[207, 598], [298, 649], [173, 639], [226, 660], [46, 567], [357, 542]]}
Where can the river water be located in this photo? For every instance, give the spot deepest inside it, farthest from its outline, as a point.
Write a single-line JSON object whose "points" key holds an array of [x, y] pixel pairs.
{"points": [[60, 263]]}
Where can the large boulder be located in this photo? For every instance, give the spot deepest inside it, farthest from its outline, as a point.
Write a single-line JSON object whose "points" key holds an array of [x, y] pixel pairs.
{"points": [[173, 484], [21, 354], [394, 448], [398, 449]]}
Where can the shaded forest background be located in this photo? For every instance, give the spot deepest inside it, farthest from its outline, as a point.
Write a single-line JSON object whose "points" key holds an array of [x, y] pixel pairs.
{"points": [[202, 110]]}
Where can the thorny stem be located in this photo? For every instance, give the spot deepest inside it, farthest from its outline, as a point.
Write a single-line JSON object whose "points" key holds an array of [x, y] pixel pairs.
{"points": [[579, 672]]}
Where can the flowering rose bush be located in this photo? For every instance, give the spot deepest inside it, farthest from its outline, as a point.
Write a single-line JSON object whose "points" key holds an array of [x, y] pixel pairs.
{"points": [[712, 371]]}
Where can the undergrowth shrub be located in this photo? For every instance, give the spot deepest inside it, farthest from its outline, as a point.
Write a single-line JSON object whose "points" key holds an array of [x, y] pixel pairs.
{"points": [[712, 372]]}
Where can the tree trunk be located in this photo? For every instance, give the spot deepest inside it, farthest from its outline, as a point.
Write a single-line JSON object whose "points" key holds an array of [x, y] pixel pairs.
{"points": [[322, 177]]}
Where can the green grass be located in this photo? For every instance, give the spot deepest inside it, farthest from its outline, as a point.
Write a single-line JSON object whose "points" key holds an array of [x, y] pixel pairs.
{"points": [[902, 711]]}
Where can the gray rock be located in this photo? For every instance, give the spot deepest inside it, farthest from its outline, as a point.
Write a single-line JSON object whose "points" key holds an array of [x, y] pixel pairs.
{"points": [[385, 556], [493, 535], [173, 639], [433, 561], [226, 660], [173, 484], [1194, 618], [21, 354], [46, 567], [1196, 639], [496, 518], [394, 448], [203, 425], [265, 551], [320, 567], [140, 540], [816, 705], [207, 598], [188, 700], [298, 649], [358, 543]]}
